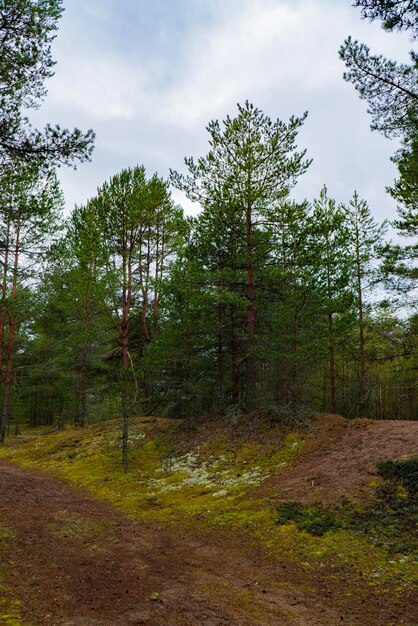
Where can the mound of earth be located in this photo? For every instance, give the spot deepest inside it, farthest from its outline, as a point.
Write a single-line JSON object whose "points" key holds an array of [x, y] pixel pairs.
{"points": [[73, 560], [341, 459]]}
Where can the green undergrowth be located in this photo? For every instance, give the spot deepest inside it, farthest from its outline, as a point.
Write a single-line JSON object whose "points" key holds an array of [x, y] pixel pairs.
{"points": [[9, 609], [389, 520], [378, 540], [221, 481], [208, 481]]}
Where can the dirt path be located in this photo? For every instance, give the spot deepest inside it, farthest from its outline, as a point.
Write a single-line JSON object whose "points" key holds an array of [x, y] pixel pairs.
{"points": [[73, 561]]}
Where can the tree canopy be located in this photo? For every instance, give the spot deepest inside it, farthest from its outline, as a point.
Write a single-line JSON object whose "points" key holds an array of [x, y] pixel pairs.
{"points": [[395, 14], [391, 90], [27, 29]]}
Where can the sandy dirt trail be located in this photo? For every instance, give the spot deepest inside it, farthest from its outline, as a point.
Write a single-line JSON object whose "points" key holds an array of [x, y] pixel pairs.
{"points": [[74, 561]]}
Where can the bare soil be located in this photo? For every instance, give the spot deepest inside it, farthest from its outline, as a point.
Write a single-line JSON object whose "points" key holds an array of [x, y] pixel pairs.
{"points": [[341, 459], [73, 561]]}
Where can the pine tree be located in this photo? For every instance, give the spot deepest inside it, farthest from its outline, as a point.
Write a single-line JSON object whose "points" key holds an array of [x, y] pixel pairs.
{"points": [[294, 307], [395, 14], [139, 226], [29, 208], [27, 29], [390, 89], [364, 239], [331, 260], [252, 164]]}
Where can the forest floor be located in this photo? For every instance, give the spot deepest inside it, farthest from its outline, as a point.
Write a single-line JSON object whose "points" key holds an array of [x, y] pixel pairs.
{"points": [[188, 537]]}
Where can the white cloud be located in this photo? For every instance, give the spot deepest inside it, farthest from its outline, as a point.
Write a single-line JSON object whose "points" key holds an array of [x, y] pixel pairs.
{"points": [[103, 89], [150, 102]]}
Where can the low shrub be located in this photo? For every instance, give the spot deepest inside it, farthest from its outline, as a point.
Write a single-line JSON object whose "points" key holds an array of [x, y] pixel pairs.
{"points": [[403, 473], [390, 520], [315, 518]]}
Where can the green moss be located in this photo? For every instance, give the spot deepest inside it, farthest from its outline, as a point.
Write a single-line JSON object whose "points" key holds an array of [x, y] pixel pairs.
{"points": [[315, 518], [229, 594], [213, 484], [5, 533], [10, 612], [340, 549], [204, 483], [388, 521]]}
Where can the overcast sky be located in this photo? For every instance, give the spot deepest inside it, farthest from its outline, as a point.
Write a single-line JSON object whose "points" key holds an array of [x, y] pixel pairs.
{"points": [[148, 75]]}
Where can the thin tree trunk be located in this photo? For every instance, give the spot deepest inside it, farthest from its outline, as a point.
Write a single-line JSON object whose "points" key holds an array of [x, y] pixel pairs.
{"points": [[126, 302], [124, 336], [7, 378], [286, 368], [4, 292], [294, 364], [186, 373], [363, 390], [125, 431], [82, 409], [250, 325], [34, 412], [10, 344], [124, 347], [234, 358], [83, 390], [331, 351], [362, 351], [220, 360]]}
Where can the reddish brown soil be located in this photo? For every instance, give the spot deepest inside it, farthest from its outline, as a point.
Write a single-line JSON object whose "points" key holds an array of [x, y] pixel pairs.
{"points": [[106, 578], [340, 458]]}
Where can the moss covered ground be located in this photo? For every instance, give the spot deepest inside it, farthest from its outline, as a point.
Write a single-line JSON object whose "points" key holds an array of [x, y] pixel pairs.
{"points": [[209, 482]]}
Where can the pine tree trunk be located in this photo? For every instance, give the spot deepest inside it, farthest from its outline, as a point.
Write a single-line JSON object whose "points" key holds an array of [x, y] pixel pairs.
{"points": [[250, 325], [34, 411], [363, 412], [286, 370], [2, 333], [124, 336], [7, 378], [234, 359], [294, 365], [220, 361], [124, 348], [84, 375], [125, 430], [83, 392], [331, 351], [6, 244], [332, 393], [10, 343]]}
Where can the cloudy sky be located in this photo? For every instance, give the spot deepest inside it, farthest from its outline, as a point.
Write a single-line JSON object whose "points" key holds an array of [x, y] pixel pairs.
{"points": [[148, 75]]}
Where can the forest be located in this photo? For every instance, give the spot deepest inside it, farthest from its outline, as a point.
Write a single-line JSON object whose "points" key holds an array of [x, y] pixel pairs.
{"points": [[258, 303], [207, 419]]}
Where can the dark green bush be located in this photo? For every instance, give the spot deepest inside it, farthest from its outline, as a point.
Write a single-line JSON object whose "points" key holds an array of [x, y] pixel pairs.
{"points": [[403, 473], [315, 518]]}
